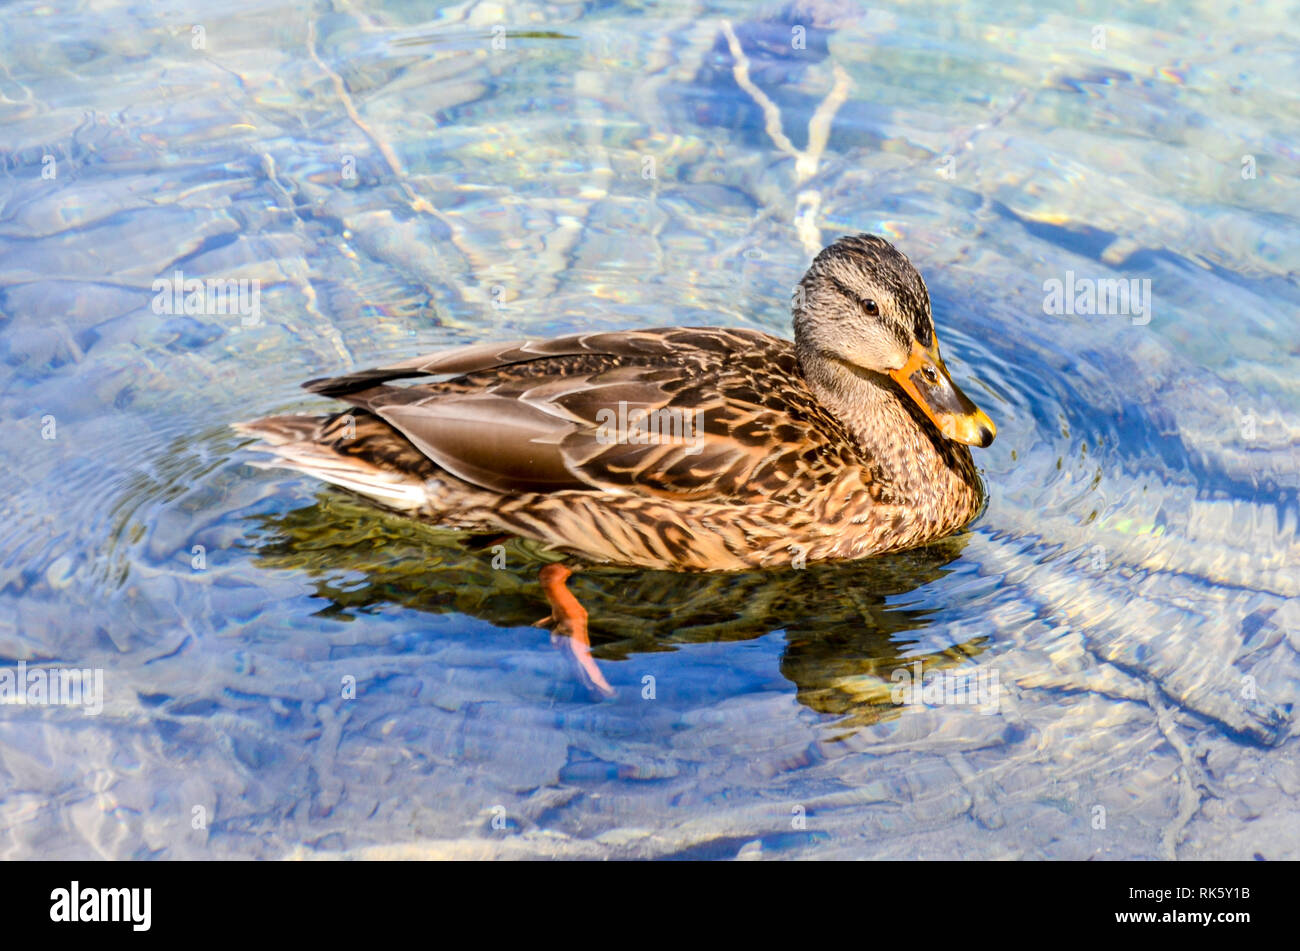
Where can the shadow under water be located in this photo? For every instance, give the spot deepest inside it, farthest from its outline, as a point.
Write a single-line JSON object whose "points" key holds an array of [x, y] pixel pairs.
{"points": [[844, 638]]}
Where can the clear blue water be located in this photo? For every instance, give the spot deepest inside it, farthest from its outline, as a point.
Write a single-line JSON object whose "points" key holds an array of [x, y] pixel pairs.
{"points": [[399, 180]]}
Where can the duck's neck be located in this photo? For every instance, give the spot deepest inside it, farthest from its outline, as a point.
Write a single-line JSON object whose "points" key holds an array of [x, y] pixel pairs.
{"points": [[926, 471]]}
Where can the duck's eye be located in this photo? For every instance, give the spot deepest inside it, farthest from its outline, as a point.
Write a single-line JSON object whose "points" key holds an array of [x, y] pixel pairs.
{"points": [[931, 374], [870, 307]]}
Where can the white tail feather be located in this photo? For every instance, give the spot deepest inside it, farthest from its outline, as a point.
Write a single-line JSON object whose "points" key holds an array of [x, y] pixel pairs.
{"points": [[391, 488]]}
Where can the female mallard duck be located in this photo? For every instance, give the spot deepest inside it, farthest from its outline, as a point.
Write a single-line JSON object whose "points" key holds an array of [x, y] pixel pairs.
{"points": [[703, 449]]}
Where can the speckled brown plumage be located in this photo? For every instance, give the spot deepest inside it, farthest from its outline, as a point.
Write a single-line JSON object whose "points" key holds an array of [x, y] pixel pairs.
{"points": [[775, 466]]}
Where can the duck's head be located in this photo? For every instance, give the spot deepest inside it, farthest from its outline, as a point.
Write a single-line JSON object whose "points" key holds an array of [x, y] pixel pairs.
{"points": [[864, 307]]}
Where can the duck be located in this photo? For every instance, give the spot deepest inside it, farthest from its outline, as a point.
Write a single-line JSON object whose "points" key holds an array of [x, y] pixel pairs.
{"points": [[678, 448]]}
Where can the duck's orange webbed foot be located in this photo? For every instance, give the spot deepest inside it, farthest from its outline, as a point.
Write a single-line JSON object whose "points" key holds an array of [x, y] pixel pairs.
{"points": [[568, 619]]}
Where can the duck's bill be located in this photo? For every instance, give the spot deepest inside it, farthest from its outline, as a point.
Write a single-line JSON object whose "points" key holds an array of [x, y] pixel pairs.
{"points": [[925, 379]]}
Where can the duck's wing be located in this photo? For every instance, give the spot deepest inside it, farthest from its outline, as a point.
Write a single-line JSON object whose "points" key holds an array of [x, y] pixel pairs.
{"points": [[701, 413]]}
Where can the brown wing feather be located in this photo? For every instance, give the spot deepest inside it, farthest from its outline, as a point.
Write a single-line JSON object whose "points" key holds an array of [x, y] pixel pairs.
{"points": [[472, 358], [535, 416]]}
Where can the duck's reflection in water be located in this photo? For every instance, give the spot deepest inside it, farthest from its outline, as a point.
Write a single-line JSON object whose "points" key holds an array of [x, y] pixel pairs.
{"points": [[844, 639]]}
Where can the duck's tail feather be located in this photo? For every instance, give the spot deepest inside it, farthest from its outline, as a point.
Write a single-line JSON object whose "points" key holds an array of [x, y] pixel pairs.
{"points": [[299, 443], [281, 430]]}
